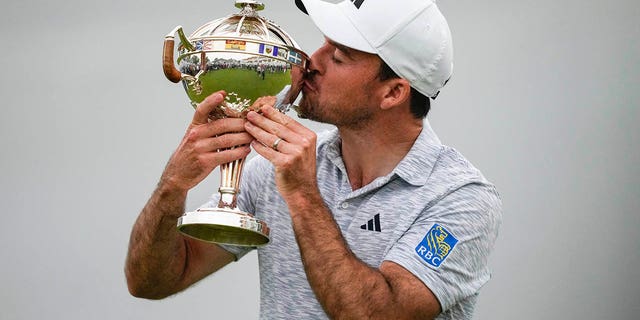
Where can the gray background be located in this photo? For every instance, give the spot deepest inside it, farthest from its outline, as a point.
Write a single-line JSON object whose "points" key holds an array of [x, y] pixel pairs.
{"points": [[544, 100]]}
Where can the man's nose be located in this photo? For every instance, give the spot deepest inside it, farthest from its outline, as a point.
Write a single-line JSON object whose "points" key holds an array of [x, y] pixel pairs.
{"points": [[318, 58]]}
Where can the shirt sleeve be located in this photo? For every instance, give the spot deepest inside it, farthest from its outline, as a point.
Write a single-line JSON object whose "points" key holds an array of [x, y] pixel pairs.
{"points": [[447, 246]]}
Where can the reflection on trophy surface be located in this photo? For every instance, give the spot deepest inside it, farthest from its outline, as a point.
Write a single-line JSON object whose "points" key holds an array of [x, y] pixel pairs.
{"points": [[249, 57]]}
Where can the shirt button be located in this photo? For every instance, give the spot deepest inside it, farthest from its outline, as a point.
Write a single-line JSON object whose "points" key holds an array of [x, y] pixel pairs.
{"points": [[344, 205]]}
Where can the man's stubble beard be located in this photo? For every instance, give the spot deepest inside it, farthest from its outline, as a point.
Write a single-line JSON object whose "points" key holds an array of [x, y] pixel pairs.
{"points": [[340, 117]]}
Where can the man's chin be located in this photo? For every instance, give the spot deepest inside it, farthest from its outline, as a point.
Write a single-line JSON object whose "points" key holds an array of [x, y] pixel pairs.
{"points": [[303, 108], [308, 109], [300, 112]]}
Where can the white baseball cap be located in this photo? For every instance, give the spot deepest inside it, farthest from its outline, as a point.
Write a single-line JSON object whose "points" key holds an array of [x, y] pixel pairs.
{"points": [[411, 36]]}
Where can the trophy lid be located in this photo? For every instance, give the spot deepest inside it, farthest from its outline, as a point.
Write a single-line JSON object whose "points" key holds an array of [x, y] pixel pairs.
{"points": [[246, 24]]}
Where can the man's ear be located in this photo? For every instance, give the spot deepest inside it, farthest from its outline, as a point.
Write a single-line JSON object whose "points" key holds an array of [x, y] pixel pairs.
{"points": [[396, 91]]}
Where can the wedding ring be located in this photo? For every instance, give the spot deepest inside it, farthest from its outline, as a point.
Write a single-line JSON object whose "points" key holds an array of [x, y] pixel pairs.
{"points": [[275, 144]]}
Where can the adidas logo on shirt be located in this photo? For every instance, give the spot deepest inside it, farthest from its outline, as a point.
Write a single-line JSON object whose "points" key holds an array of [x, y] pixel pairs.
{"points": [[373, 224]]}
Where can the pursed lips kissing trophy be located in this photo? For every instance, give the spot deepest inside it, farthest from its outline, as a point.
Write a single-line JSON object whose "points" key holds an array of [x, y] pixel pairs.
{"points": [[249, 57]]}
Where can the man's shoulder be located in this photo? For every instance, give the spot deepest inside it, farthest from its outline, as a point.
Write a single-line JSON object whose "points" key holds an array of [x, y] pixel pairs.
{"points": [[453, 172], [455, 168]]}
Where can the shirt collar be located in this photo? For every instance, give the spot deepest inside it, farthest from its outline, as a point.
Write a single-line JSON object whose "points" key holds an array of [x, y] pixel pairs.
{"points": [[332, 145], [414, 168]]}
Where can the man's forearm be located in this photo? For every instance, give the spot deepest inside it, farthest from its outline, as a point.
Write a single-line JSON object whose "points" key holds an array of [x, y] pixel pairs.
{"points": [[331, 267], [156, 258]]}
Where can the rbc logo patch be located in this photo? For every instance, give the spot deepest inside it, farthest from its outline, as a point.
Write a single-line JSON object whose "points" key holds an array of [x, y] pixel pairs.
{"points": [[436, 245]]}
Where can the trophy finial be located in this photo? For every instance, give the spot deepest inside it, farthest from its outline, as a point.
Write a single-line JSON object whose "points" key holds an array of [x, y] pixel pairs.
{"points": [[249, 7]]}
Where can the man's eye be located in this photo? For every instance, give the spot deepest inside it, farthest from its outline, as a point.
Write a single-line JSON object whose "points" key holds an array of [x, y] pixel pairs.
{"points": [[335, 59]]}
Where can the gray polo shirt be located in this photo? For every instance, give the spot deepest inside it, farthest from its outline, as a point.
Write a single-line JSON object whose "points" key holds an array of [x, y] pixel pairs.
{"points": [[434, 214]]}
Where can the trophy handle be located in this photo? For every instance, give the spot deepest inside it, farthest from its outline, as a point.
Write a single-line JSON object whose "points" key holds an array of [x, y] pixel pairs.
{"points": [[170, 71]]}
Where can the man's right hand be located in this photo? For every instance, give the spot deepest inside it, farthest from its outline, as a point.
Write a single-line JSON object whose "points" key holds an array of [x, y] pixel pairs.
{"points": [[206, 144], [160, 261]]}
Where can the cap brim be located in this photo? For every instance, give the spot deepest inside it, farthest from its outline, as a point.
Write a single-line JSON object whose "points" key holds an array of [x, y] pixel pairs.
{"points": [[333, 21]]}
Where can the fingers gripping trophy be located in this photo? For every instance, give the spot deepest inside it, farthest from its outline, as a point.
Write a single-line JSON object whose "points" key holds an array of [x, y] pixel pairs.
{"points": [[249, 57]]}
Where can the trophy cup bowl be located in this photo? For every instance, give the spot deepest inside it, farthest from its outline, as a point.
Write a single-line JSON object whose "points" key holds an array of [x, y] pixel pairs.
{"points": [[249, 57]]}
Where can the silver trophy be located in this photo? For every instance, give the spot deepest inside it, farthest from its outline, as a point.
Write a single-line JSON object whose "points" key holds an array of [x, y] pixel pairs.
{"points": [[249, 57]]}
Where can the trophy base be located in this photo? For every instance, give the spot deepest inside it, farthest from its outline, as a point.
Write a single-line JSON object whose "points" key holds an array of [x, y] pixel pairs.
{"points": [[224, 226]]}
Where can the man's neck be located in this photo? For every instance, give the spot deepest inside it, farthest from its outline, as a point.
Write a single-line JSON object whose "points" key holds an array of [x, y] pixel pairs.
{"points": [[372, 152]]}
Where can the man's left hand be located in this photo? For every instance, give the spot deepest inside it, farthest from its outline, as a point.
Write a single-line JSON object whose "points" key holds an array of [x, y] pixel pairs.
{"points": [[289, 146]]}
